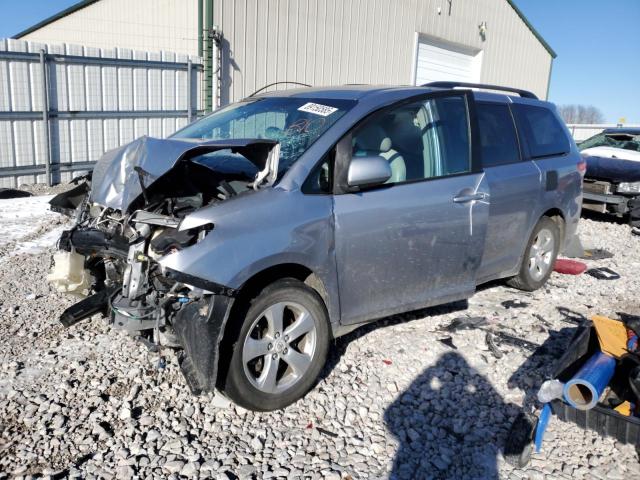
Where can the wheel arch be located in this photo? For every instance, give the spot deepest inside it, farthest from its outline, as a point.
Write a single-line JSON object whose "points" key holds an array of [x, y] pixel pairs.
{"points": [[558, 217], [259, 280]]}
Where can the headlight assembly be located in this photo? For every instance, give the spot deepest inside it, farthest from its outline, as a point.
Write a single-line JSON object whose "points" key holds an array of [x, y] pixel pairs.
{"points": [[629, 187]]}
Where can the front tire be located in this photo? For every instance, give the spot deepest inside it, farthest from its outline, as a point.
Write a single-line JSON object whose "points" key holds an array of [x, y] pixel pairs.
{"points": [[280, 347], [539, 258]]}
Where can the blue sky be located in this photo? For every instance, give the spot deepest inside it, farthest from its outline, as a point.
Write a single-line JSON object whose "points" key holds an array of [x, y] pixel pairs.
{"points": [[18, 15], [597, 42], [598, 47]]}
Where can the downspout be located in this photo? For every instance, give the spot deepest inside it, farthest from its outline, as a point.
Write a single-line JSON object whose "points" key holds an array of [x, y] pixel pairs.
{"points": [[200, 32], [208, 55], [217, 77]]}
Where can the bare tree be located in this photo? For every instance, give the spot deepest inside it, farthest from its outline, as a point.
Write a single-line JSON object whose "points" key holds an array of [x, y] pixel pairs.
{"points": [[581, 114], [568, 113], [593, 115]]}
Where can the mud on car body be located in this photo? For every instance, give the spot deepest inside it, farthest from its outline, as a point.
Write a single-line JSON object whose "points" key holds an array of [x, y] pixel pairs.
{"points": [[252, 237]]}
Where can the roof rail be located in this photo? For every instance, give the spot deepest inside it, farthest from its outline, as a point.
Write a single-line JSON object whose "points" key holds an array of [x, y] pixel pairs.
{"points": [[278, 83], [522, 93]]}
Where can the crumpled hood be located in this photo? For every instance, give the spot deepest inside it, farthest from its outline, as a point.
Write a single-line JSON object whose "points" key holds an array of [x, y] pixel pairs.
{"points": [[115, 182]]}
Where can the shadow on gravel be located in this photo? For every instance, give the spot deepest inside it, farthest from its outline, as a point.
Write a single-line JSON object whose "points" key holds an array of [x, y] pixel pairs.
{"points": [[539, 366], [570, 316], [604, 217], [450, 423], [339, 346]]}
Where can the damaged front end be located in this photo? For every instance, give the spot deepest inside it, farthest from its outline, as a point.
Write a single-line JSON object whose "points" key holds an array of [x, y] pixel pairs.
{"points": [[130, 214]]}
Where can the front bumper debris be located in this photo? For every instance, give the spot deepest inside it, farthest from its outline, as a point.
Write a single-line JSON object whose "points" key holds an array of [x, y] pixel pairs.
{"points": [[128, 287], [67, 202], [132, 213], [96, 303], [200, 327]]}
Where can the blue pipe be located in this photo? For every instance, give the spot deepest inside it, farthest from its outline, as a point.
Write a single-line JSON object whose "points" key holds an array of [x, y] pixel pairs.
{"points": [[586, 386], [543, 421]]}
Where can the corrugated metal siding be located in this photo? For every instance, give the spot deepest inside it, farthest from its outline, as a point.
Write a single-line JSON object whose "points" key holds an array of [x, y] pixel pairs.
{"points": [[85, 88], [368, 41], [151, 25], [320, 42]]}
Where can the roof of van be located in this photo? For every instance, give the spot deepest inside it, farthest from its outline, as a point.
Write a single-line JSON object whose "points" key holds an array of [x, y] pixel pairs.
{"points": [[361, 91]]}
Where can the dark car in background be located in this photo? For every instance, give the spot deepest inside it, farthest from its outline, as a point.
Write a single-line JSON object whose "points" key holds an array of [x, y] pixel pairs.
{"points": [[612, 180]]}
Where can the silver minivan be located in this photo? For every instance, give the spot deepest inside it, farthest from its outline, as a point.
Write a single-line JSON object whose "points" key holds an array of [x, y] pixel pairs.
{"points": [[252, 237]]}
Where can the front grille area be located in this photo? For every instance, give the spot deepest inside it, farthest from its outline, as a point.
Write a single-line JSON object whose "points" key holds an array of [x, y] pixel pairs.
{"points": [[598, 186]]}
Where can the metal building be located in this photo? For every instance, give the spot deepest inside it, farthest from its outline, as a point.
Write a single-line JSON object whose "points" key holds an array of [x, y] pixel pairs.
{"points": [[318, 42]]}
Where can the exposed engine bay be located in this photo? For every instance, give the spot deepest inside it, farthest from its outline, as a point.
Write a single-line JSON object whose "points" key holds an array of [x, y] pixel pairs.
{"points": [[126, 223]]}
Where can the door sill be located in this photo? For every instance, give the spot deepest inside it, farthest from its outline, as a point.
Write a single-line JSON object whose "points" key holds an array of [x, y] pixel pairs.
{"points": [[351, 324]]}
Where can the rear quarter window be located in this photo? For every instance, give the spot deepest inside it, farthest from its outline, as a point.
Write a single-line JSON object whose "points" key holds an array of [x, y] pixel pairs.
{"points": [[542, 131], [498, 139]]}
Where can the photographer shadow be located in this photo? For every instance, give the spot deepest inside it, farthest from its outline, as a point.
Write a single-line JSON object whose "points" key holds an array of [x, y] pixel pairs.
{"points": [[450, 423]]}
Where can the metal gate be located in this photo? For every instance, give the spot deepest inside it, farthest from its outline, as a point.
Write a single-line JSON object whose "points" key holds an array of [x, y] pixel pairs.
{"points": [[63, 106]]}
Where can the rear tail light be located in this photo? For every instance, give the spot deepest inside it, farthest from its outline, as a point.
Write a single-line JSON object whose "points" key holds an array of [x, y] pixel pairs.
{"points": [[582, 167]]}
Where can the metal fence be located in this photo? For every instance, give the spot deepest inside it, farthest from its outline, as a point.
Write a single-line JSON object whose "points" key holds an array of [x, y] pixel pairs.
{"points": [[582, 131], [63, 106]]}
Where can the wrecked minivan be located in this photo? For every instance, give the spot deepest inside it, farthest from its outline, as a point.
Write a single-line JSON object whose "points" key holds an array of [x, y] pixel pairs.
{"points": [[252, 237]]}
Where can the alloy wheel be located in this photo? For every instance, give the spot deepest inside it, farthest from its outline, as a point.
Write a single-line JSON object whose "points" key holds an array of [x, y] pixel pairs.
{"points": [[541, 254], [279, 348]]}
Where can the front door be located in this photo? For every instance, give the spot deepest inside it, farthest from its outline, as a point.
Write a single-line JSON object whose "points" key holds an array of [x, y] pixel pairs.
{"points": [[418, 239]]}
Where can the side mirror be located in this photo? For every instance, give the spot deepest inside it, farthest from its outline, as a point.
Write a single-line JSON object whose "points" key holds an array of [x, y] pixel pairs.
{"points": [[368, 171]]}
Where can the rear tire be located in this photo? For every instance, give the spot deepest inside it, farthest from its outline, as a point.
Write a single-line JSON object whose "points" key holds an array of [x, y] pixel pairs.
{"points": [[279, 349], [539, 257]]}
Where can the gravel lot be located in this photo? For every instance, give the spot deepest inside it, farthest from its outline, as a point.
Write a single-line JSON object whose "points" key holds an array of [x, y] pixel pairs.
{"points": [[394, 400]]}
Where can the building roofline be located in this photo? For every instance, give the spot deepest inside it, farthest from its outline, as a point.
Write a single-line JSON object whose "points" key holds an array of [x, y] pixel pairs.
{"points": [[85, 3], [533, 30], [67, 11]]}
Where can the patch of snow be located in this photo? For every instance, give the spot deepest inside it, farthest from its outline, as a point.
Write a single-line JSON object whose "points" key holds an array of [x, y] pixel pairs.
{"points": [[39, 244], [23, 219], [20, 217]]}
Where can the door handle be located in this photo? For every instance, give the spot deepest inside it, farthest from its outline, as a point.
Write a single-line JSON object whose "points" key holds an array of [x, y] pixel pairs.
{"points": [[469, 198]]}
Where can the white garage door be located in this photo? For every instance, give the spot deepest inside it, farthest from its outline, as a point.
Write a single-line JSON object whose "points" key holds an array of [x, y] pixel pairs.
{"points": [[437, 61]]}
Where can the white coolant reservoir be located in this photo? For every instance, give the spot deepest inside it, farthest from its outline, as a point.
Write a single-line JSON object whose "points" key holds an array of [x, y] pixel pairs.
{"points": [[68, 274]]}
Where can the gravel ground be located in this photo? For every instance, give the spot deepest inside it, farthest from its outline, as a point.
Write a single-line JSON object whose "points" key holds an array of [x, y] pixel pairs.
{"points": [[394, 400], [43, 189]]}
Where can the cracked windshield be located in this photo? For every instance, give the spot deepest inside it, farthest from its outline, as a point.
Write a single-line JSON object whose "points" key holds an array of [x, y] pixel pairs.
{"points": [[293, 122]]}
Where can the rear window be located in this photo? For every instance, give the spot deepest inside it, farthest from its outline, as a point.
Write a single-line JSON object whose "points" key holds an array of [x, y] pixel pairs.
{"points": [[542, 130], [497, 135]]}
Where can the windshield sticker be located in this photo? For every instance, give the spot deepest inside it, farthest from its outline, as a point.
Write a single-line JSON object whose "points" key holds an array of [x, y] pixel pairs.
{"points": [[317, 109]]}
